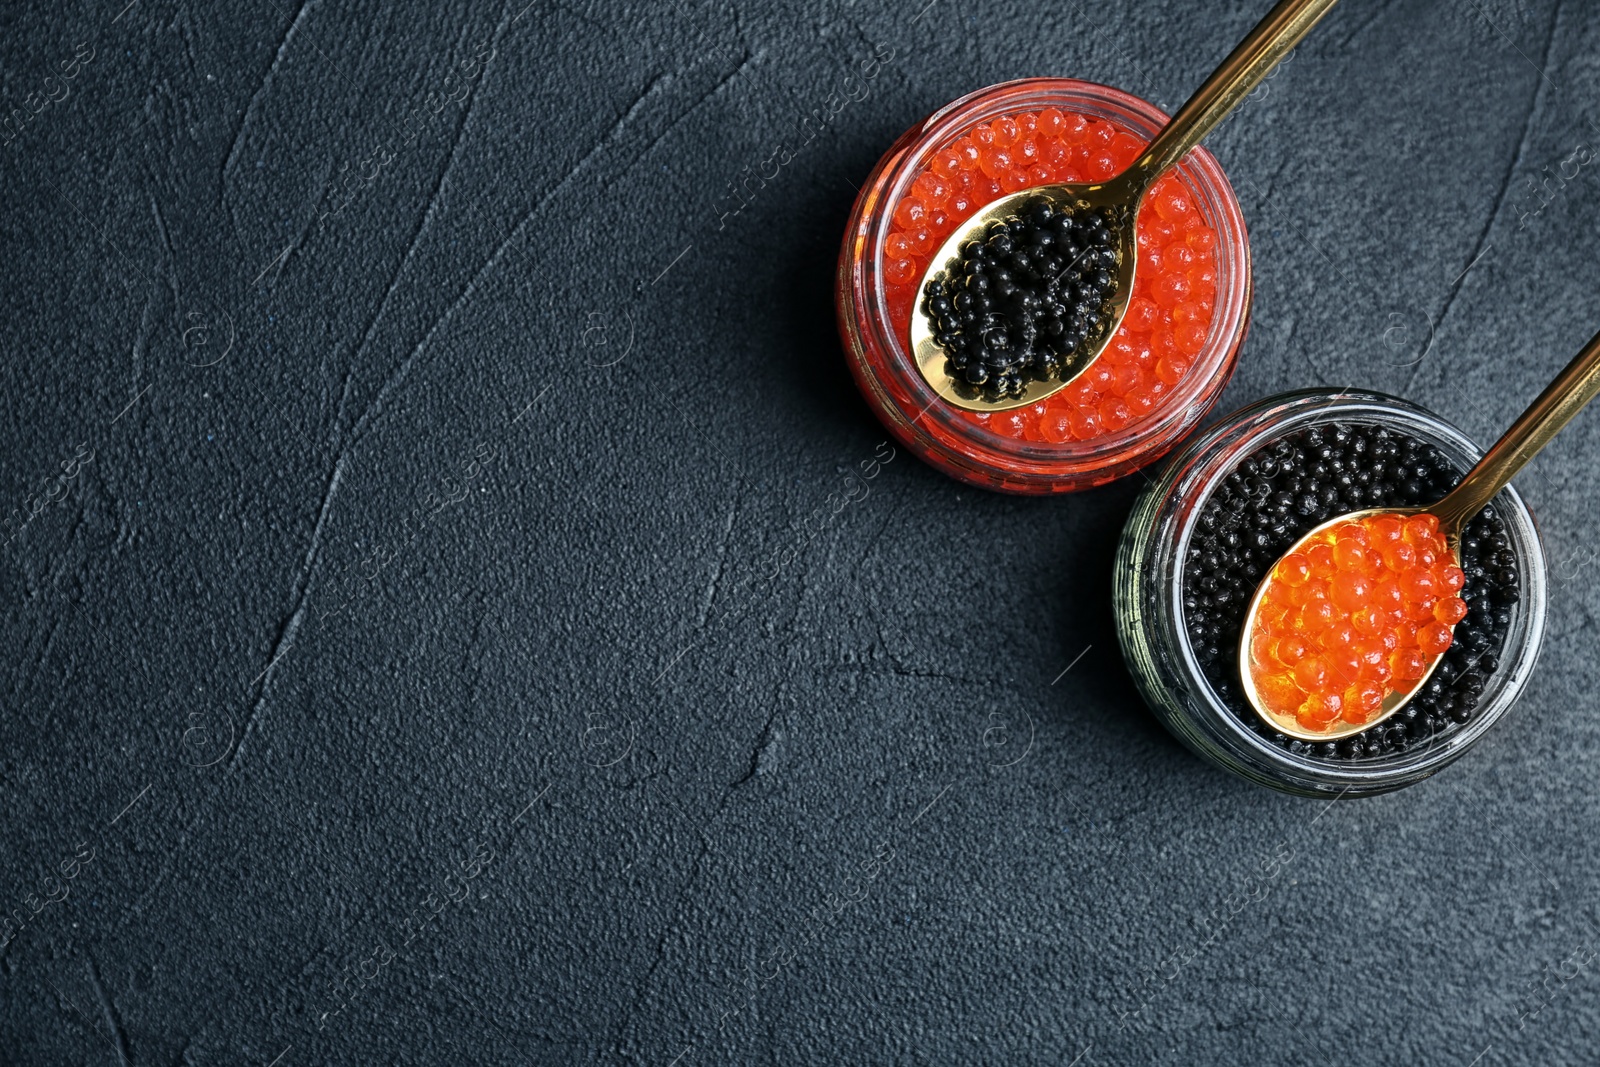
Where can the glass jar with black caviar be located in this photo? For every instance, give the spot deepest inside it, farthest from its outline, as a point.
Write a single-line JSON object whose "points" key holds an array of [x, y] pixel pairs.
{"points": [[1223, 510]]}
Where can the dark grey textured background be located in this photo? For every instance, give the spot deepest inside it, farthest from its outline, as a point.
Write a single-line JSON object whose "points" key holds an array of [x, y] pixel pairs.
{"points": [[408, 583]]}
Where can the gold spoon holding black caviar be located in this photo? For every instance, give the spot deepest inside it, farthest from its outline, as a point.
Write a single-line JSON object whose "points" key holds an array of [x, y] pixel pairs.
{"points": [[1118, 199], [1563, 398]]}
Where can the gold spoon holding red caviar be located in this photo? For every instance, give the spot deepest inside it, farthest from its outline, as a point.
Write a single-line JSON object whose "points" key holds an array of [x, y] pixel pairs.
{"points": [[1249, 64], [1544, 418]]}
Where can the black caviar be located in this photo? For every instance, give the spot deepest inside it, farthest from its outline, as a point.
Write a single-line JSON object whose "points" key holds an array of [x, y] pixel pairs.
{"points": [[1017, 305], [1283, 490]]}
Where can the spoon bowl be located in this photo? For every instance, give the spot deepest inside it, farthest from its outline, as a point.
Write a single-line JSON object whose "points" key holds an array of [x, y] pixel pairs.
{"points": [[1073, 199], [1393, 701]]}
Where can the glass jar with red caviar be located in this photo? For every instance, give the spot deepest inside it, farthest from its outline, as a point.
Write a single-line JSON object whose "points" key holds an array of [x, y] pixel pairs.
{"points": [[1222, 488], [1165, 366]]}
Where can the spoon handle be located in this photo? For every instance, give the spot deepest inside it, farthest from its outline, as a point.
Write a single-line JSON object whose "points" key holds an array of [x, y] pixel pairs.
{"points": [[1248, 65], [1561, 400]]}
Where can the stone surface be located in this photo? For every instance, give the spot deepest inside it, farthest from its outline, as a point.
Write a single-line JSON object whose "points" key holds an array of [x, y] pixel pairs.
{"points": [[414, 623]]}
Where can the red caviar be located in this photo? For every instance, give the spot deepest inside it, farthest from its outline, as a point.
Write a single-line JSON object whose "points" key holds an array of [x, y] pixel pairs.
{"points": [[1175, 286], [1360, 613]]}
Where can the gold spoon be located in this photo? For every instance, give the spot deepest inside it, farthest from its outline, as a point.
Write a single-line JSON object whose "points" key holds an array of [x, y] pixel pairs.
{"points": [[1240, 73], [1545, 417]]}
